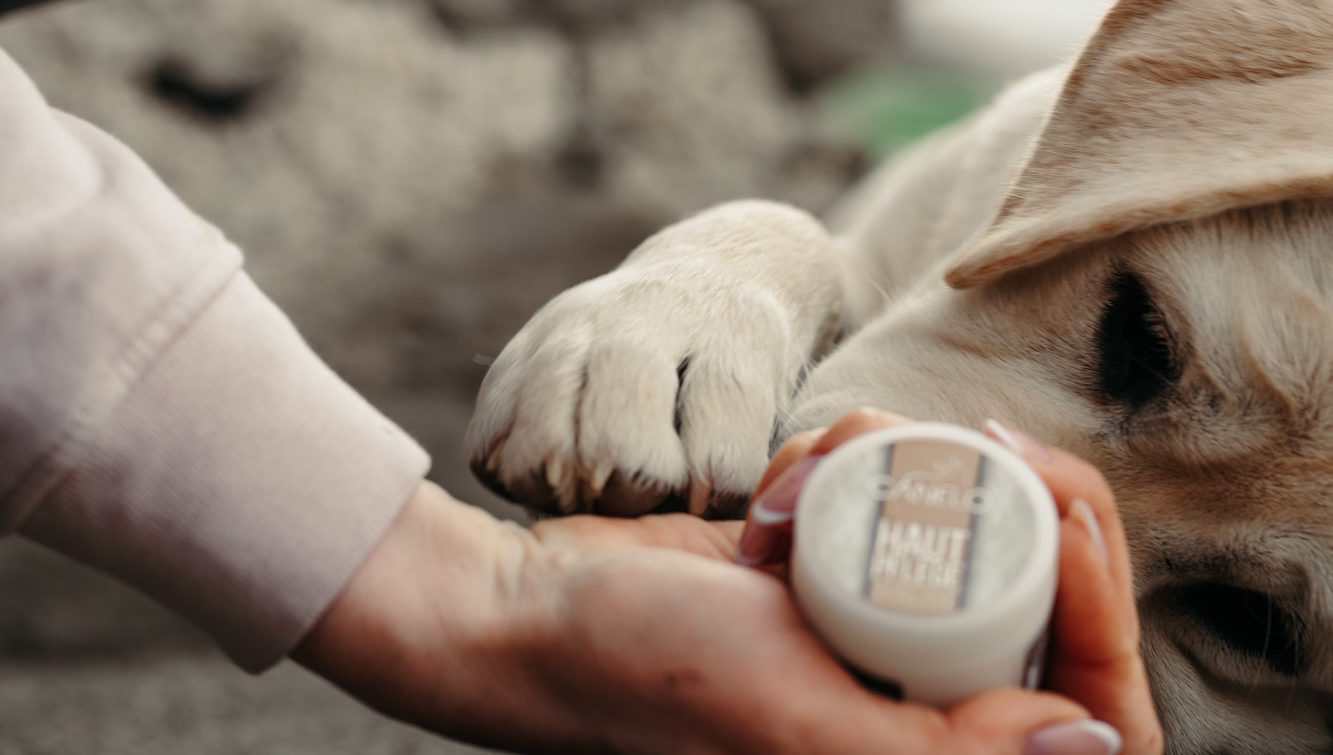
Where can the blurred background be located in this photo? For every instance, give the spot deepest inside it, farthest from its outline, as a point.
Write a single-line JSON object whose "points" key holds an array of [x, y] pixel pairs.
{"points": [[411, 179]]}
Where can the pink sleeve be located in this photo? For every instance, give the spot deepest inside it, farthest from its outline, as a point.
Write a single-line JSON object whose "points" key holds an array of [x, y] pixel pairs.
{"points": [[160, 419]]}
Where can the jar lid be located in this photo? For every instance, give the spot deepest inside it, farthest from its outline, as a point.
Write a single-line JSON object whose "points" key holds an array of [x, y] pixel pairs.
{"points": [[930, 537]]}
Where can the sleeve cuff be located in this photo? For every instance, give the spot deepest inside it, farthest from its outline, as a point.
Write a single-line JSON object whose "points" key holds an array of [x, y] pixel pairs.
{"points": [[240, 481]]}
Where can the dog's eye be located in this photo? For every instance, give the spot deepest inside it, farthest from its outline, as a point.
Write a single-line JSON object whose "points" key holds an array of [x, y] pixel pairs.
{"points": [[1249, 622], [1134, 351]]}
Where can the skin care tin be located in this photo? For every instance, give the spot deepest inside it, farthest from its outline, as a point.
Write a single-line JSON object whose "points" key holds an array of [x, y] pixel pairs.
{"points": [[925, 556]]}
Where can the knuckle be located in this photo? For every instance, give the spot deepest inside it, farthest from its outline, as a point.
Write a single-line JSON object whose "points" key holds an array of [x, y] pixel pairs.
{"points": [[799, 445]]}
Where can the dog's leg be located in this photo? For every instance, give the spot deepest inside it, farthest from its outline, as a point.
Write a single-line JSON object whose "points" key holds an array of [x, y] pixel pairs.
{"points": [[910, 216]]}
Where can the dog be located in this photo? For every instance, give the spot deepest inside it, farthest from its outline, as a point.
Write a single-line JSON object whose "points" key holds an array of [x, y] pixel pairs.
{"points": [[1130, 257]]}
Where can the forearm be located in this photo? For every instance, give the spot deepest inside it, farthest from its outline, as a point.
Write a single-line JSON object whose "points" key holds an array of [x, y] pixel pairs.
{"points": [[238, 482]]}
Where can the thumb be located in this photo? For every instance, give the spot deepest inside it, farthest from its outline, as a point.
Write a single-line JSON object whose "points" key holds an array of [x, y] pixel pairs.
{"points": [[1028, 723]]}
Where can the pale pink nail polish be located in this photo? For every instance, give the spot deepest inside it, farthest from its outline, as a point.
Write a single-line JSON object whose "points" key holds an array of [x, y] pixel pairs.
{"points": [[1081, 512], [1086, 737], [767, 530], [1019, 442]]}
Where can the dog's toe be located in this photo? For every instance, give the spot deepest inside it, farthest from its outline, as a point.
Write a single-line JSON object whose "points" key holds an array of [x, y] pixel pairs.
{"points": [[632, 494]]}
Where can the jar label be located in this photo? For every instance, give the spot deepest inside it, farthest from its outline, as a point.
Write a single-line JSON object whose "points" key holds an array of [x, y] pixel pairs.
{"points": [[929, 499]]}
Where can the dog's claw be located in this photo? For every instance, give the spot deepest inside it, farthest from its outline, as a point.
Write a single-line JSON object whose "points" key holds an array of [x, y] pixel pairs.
{"points": [[555, 474], [598, 478], [700, 496]]}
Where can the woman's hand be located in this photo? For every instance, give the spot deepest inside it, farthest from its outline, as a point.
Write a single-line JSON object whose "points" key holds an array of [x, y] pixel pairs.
{"points": [[636, 636], [1094, 657]]}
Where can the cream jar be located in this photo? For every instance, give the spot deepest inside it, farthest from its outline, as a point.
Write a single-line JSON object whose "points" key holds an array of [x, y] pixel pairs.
{"points": [[925, 556]]}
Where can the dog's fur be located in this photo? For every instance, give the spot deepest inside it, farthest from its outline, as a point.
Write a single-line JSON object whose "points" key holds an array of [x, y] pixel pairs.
{"points": [[1188, 155]]}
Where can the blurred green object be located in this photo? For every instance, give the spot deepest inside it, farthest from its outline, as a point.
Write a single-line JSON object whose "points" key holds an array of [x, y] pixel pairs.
{"points": [[887, 106]]}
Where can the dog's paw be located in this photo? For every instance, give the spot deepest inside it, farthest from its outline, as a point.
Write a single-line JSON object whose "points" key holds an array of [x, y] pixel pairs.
{"points": [[628, 394], [655, 387]]}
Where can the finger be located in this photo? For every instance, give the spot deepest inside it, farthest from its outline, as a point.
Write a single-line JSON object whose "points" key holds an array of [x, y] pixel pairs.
{"points": [[793, 451], [1070, 478], [1095, 653], [1104, 627], [767, 535], [855, 423], [821, 440], [766, 538], [1000, 722], [768, 523], [1014, 721]]}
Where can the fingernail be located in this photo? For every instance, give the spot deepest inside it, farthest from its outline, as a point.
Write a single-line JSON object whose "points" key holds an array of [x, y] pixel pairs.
{"points": [[1081, 511], [1086, 737], [1019, 442], [766, 527]]}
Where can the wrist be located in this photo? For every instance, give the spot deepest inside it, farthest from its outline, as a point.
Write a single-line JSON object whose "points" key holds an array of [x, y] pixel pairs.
{"points": [[443, 626], [419, 595]]}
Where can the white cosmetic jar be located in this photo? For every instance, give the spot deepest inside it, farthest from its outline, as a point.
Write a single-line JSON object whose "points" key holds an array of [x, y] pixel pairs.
{"points": [[925, 556]]}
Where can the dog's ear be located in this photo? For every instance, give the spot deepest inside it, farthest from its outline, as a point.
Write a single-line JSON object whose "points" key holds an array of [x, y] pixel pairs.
{"points": [[1177, 109]]}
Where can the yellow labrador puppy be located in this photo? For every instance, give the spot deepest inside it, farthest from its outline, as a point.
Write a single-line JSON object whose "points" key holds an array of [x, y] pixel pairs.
{"points": [[1131, 258]]}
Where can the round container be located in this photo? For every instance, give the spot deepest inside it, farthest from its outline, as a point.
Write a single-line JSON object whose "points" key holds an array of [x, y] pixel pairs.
{"points": [[925, 555]]}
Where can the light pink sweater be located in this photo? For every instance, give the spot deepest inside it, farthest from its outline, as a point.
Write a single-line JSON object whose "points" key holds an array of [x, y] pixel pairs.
{"points": [[160, 419]]}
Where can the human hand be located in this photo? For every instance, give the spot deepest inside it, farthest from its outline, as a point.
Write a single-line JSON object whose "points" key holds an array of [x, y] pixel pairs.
{"points": [[602, 635], [1094, 657]]}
